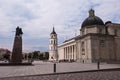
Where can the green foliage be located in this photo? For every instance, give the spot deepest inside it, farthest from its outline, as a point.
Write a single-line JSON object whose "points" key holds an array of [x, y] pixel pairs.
{"points": [[6, 56], [46, 56], [37, 55], [41, 57], [25, 56], [29, 55]]}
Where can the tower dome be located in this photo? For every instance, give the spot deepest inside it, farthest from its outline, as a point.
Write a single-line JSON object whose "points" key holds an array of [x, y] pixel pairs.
{"points": [[92, 20]]}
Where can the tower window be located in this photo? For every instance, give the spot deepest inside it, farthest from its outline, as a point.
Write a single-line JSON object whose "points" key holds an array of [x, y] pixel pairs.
{"points": [[51, 48], [52, 36], [54, 41], [51, 42]]}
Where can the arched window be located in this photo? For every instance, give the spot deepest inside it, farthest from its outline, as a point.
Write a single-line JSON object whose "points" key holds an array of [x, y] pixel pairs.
{"points": [[54, 41], [52, 36], [51, 48]]}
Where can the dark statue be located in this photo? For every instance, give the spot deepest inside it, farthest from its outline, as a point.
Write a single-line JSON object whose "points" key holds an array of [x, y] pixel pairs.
{"points": [[18, 31]]}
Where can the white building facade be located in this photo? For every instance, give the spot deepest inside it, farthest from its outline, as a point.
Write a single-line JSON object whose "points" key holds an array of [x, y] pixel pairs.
{"points": [[97, 41]]}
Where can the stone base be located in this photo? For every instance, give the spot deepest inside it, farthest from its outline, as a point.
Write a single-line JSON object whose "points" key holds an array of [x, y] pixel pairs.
{"points": [[16, 64]]}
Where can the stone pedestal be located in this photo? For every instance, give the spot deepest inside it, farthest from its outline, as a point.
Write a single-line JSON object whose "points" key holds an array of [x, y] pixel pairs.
{"points": [[17, 50]]}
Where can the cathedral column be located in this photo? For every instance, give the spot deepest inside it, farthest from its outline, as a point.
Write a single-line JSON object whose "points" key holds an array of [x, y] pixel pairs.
{"points": [[69, 52], [66, 53], [75, 54], [72, 53]]}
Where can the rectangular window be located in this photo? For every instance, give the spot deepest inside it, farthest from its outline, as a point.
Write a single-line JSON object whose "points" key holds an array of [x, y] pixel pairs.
{"points": [[102, 43], [83, 48]]}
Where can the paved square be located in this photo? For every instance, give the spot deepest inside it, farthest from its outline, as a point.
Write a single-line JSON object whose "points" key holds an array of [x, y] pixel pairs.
{"points": [[47, 67]]}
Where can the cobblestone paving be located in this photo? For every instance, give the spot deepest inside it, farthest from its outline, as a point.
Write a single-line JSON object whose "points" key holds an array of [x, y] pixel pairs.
{"points": [[101, 75], [47, 67]]}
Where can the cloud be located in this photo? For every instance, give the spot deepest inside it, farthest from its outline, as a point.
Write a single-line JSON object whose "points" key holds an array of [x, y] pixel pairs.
{"points": [[37, 17]]}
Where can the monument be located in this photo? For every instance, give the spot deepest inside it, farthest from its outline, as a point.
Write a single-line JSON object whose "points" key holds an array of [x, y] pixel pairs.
{"points": [[17, 47], [16, 58]]}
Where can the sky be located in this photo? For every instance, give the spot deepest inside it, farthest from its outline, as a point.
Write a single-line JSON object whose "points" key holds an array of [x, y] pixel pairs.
{"points": [[37, 18]]}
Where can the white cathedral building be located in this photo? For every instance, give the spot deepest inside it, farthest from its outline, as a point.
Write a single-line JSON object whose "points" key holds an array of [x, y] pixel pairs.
{"points": [[97, 41]]}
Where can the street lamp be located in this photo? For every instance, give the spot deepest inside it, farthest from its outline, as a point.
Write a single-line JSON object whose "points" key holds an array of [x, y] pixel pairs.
{"points": [[98, 64], [54, 65]]}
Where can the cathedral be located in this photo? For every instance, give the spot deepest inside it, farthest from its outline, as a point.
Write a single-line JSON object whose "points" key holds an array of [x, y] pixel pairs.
{"points": [[97, 41]]}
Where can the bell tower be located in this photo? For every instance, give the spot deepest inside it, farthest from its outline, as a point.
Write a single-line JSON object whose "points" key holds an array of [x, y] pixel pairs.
{"points": [[53, 52]]}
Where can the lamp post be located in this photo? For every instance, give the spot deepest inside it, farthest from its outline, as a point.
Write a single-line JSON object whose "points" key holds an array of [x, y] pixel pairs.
{"points": [[98, 64], [54, 65]]}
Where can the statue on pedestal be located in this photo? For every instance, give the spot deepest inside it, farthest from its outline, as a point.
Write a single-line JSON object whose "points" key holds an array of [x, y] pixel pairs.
{"points": [[18, 31], [17, 47]]}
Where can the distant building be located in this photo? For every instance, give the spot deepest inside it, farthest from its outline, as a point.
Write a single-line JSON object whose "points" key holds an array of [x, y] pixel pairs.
{"points": [[97, 41], [53, 52], [4, 52]]}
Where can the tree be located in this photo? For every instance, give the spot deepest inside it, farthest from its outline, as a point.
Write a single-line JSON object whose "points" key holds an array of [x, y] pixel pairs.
{"points": [[41, 57], [29, 55], [6, 56], [46, 55], [36, 54], [25, 56]]}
